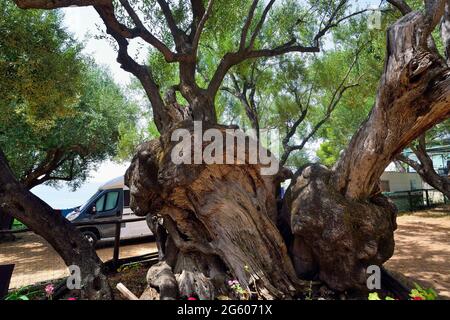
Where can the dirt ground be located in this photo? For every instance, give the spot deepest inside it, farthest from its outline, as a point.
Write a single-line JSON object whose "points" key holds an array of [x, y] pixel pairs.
{"points": [[422, 249], [35, 261]]}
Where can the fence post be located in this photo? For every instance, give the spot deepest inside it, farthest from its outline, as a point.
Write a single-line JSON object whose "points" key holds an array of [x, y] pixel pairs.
{"points": [[410, 201], [117, 242], [428, 198]]}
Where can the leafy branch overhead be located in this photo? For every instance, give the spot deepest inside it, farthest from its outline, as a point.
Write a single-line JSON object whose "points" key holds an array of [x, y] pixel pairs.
{"points": [[183, 27]]}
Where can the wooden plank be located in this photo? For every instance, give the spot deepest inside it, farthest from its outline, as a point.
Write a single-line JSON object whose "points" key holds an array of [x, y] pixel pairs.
{"points": [[125, 292], [6, 272]]}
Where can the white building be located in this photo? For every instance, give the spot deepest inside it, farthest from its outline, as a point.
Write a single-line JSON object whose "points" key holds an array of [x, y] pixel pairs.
{"points": [[392, 181]]}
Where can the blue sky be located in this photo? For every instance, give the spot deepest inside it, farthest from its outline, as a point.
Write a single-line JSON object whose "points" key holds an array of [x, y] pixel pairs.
{"points": [[84, 23]]}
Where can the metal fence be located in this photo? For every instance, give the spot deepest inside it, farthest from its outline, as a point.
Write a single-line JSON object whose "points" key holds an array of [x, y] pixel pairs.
{"points": [[419, 199]]}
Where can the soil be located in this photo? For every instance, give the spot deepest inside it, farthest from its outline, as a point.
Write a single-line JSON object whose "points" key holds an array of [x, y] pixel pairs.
{"points": [[422, 250], [133, 277]]}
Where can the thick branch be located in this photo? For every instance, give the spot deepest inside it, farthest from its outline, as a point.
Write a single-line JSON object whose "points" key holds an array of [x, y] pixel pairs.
{"points": [[200, 27], [177, 34], [445, 31], [113, 27], [147, 36], [412, 97], [48, 165], [401, 5], [73, 248]]}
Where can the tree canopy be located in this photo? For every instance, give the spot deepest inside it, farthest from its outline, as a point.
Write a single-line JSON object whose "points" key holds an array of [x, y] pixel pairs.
{"points": [[60, 112]]}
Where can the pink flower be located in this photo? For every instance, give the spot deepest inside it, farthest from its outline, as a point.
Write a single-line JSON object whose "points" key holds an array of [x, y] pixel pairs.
{"points": [[49, 289], [417, 298], [232, 282], [72, 299], [192, 298]]}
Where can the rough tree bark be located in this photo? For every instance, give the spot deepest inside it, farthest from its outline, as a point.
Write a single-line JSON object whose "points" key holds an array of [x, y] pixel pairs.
{"points": [[220, 221], [73, 248], [341, 224], [424, 167]]}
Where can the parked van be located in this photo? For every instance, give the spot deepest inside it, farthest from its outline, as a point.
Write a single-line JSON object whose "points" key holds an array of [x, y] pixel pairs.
{"points": [[111, 200]]}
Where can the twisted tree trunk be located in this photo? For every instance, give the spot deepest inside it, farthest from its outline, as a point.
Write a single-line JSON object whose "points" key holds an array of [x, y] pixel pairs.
{"points": [[68, 242], [341, 224], [220, 221]]}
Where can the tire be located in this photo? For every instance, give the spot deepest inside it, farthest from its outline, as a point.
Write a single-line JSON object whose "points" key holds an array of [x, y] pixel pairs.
{"points": [[91, 237]]}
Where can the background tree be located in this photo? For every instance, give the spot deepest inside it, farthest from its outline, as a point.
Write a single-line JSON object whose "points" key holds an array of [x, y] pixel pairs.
{"points": [[60, 118], [28, 66], [423, 163], [67, 148]]}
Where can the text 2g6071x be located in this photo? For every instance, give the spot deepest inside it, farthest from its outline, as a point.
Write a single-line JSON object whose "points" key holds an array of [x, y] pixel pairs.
{"points": [[255, 309]]}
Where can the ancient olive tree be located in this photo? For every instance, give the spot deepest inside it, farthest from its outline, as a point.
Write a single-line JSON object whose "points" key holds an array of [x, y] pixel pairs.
{"points": [[221, 219]]}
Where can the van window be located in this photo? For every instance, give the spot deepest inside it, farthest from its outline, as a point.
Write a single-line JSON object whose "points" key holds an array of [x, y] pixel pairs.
{"points": [[111, 200], [100, 204], [126, 198], [107, 201]]}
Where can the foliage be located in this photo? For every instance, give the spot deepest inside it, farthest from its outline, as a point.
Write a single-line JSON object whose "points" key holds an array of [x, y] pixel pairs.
{"points": [[24, 293], [40, 63], [237, 289], [420, 293], [375, 296], [128, 267], [61, 114]]}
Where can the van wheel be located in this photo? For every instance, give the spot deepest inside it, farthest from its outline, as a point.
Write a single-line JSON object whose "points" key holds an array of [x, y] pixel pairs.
{"points": [[91, 237]]}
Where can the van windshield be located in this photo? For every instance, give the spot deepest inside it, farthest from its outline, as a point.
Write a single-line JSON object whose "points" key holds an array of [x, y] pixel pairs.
{"points": [[90, 200]]}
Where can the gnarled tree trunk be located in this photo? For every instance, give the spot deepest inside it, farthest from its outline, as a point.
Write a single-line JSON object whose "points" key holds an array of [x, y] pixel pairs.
{"points": [[73, 248], [220, 221], [341, 224]]}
